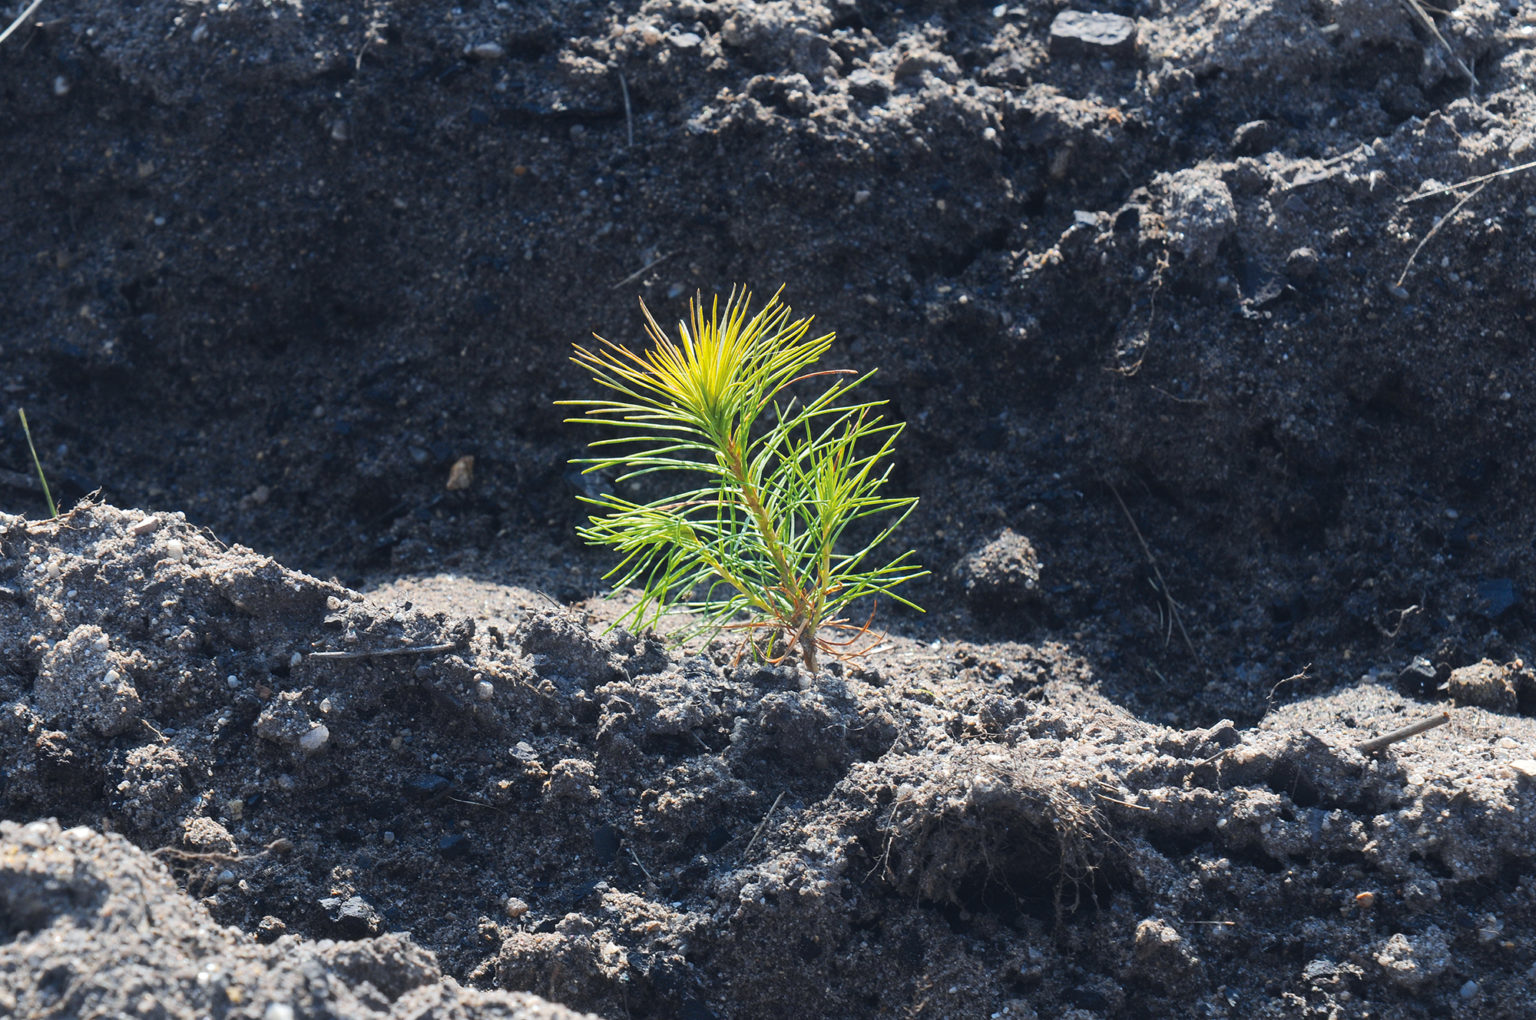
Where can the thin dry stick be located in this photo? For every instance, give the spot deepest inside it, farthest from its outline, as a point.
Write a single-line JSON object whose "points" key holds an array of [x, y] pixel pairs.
{"points": [[763, 824], [658, 260], [643, 870], [1419, 12], [1173, 605], [1388, 739], [1117, 800], [1470, 181], [379, 653], [629, 113], [1469, 196], [23, 16]]}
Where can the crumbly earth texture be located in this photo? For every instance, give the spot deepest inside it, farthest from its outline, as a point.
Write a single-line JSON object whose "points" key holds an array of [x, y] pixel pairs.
{"points": [[1218, 408], [467, 777]]}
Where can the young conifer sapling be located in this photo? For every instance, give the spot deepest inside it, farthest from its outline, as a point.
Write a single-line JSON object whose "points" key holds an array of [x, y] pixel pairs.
{"points": [[776, 528]]}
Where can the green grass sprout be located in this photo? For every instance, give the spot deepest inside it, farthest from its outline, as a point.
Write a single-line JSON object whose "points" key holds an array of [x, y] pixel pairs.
{"points": [[53, 511], [778, 484]]}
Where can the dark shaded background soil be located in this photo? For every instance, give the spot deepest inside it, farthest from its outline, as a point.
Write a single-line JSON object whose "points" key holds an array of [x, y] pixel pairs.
{"points": [[1187, 451]]}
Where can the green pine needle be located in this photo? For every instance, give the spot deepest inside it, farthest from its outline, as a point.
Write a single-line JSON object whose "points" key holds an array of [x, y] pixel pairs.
{"points": [[758, 544]]}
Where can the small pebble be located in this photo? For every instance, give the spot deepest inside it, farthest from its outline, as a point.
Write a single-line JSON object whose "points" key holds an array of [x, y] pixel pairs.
{"points": [[485, 690], [516, 907], [101, 642], [315, 739], [1091, 33], [1469, 990], [278, 1011], [61, 86], [175, 550], [233, 681], [200, 32], [389, 837], [462, 474], [485, 51], [226, 877]]}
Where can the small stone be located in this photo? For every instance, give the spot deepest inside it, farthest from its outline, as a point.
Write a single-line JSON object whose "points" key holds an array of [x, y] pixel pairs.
{"points": [[200, 32], [268, 930], [485, 690], [1301, 265], [1092, 34], [687, 41], [1419, 679], [1255, 137], [462, 475], [868, 87], [175, 550], [516, 907], [485, 51], [355, 915], [61, 86], [315, 739], [1525, 768], [1469, 990], [277, 1010]]}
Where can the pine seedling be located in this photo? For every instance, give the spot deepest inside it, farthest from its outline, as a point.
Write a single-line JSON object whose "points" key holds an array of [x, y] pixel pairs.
{"points": [[777, 485]]}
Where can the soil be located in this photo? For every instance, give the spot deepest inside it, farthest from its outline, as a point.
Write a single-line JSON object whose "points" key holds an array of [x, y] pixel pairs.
{"points": [[1215, 394]]}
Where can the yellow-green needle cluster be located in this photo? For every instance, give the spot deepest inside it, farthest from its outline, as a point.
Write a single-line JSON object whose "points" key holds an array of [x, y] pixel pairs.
{"points": [[777, 483]]}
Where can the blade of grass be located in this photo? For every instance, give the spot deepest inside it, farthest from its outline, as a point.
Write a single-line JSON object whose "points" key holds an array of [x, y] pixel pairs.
{"points": [[53, 511]]}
